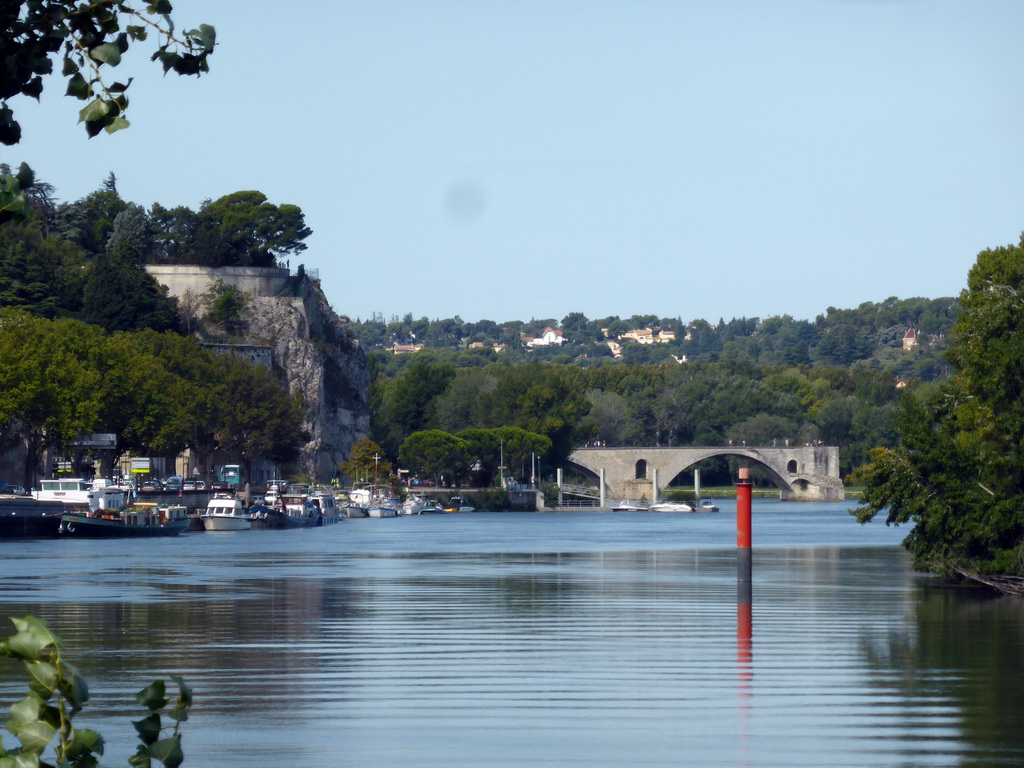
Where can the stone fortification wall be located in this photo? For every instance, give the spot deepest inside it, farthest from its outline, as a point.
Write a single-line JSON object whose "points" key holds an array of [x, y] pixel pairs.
{"points": [[254, 281], [259, 355], [290, 326]]}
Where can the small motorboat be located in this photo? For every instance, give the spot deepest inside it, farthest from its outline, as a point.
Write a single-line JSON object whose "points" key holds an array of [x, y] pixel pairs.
{"points": [[670, 506], [226, 513], [629, 506]]}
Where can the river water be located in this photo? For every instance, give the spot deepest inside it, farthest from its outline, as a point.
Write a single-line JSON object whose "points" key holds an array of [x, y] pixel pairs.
{"points": [[559, 639]]}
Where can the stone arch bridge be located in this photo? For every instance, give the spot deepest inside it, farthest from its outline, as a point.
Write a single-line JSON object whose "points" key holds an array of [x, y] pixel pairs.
{"points": [[807, 473]]}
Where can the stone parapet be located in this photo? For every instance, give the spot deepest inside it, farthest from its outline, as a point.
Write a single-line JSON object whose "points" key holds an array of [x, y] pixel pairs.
{"points": [[253, 281]]}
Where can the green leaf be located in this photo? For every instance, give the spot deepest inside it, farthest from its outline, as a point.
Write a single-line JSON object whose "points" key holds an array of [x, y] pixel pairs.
{"points": [[117, 124], [20, 760], [78, 87], [30, 641], [148, 728], [153, 697], [108, 53], [25, 711], [85, 741], [159, 7], [33, 87], [168, 751], [95, 110], [43, 678], [120, 87], [205, 36], [70, 67], [179, 712], [34, 737], [136, 32], [139, 760], [74, 688], [26, 176]]}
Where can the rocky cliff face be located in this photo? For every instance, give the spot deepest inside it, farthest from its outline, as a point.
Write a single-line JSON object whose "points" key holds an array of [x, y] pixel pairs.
{"points": [[316, 353]]}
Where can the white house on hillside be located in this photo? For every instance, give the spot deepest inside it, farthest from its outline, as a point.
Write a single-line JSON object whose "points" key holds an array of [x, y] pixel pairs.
{"points": [[549, 338]]}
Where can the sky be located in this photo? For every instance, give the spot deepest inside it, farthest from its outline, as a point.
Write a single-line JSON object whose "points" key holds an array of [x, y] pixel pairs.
{"points": [[520, 159]]}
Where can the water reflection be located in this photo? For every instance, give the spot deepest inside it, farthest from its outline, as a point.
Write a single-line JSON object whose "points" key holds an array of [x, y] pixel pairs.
{"points": [[516, 640]]}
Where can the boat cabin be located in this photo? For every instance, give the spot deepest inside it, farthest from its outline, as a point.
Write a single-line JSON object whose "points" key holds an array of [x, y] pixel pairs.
{"points": [[150, 514], [80, 492]]}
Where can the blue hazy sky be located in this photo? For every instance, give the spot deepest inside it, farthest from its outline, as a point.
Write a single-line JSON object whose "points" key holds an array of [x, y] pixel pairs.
{"points": [[517, 159]]}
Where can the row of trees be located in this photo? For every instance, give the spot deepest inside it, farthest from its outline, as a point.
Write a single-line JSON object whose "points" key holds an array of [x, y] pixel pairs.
{"points": [[870, 336], [631, 405], [158, 392]]}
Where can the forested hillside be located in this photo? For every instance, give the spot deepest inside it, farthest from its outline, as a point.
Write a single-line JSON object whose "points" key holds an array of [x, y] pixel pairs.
{"points": [[641, 380], [870, 336]]}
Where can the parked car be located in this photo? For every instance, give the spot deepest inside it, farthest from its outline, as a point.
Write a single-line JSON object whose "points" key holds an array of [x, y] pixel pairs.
{"points": [[12, 488]]}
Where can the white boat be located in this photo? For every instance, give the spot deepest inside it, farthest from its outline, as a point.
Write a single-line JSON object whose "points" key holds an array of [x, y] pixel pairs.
{"points": [[707, 505], [670, 506], [358, 502], [226, 513], [456, 504], [629, 506], [77, 492], [413, 505], [329, 508], [383, 506]]}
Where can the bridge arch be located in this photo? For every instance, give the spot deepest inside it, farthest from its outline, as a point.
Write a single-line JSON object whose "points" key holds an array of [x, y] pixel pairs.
{"points": [[807, 473]]}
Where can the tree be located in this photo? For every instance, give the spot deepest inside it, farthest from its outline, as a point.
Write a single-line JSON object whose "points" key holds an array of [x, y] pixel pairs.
{"points": [[120, 296], [256, 418], [957, 473], [224, 303], [367, 462], [511, 445], [258, 232], [436, 454], [409, 400], [49, 385], [87, 37]]}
